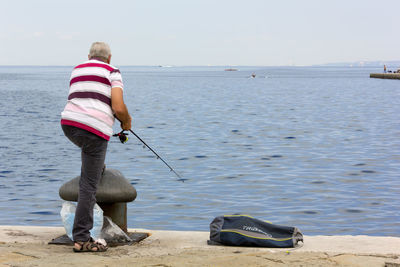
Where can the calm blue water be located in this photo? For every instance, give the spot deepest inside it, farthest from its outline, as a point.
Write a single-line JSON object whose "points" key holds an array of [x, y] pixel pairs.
{"points": [[312, 147]]}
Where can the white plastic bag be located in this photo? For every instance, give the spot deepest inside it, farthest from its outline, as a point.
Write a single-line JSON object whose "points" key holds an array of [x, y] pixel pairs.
{"points": [[112, 233], [68, 215]]}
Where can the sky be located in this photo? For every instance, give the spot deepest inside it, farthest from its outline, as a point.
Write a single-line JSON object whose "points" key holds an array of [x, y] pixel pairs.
{"points": [[200, 32]]}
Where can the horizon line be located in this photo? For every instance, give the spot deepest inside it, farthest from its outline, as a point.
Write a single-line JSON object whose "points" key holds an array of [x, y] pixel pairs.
{"points": [[360, 63], [339, 64]]}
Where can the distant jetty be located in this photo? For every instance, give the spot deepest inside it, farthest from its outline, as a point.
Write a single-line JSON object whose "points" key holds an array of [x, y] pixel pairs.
{"points": [[385, 75]]}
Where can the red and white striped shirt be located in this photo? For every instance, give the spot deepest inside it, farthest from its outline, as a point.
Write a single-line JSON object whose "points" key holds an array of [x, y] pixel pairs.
{"points": [[89, 100]]}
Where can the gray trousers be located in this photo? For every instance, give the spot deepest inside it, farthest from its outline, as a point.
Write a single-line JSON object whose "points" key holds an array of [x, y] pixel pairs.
{"points": [[93, 150]]}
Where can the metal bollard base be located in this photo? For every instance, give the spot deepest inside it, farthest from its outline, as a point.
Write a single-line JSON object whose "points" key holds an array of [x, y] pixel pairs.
{"points": [[117, 213]]}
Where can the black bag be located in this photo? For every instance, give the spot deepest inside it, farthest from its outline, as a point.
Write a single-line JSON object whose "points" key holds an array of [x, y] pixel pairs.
{"points": [[244, 230]]}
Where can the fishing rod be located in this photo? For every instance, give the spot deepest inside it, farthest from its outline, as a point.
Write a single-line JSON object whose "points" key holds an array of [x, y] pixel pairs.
{"points": [[124, 138]]}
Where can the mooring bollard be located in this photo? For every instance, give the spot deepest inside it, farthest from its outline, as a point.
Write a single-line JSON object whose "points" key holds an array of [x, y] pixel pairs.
{"points": [[113, 192]]}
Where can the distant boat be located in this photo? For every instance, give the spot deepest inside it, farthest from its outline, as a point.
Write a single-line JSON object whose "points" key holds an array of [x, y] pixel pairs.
{"points": [[230, 69]]}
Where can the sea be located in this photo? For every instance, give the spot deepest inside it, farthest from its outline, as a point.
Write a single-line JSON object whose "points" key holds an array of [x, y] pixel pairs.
{"points": [[313, 147]]}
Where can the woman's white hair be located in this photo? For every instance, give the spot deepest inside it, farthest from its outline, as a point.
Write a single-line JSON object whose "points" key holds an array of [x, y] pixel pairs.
{"points": [[100, 50]]}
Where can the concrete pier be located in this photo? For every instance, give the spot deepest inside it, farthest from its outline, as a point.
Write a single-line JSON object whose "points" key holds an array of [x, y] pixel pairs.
{"points": [[385, 75], [28, 246]]}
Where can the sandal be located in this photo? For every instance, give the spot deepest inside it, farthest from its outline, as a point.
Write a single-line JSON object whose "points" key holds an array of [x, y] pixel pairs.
{"points": [[90, 246]]}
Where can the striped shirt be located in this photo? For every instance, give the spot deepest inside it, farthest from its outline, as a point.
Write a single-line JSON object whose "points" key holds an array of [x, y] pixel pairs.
{"points": [[89, 100]]}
